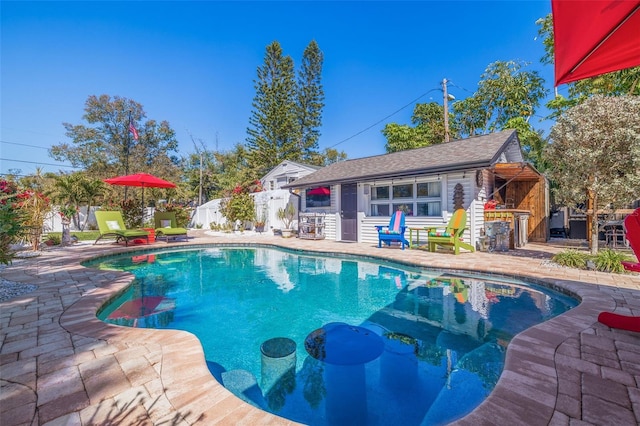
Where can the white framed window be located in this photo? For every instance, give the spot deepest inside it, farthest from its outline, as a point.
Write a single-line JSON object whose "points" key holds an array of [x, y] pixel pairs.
{"points": [[414, 198]]}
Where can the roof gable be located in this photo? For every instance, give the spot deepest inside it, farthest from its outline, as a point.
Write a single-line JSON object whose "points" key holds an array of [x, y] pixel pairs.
{"points": [[289, 168], [475, 152]]}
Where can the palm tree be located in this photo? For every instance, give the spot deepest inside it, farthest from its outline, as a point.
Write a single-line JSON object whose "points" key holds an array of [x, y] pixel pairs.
{"points": [[91, 190]]}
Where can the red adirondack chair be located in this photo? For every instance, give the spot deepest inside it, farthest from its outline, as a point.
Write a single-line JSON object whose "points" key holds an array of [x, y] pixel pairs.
{"points": [[632, 234]]}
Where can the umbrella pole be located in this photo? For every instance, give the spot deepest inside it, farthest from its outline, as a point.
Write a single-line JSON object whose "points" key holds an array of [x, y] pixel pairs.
{"points": [[142, 205]]}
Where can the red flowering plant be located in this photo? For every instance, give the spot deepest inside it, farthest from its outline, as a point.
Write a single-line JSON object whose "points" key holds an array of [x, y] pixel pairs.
{"points": [[256, 186], [238, 207]]}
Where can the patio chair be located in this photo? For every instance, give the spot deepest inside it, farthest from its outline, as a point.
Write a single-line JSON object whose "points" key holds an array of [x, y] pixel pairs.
{"points": [[110, 224], [167, 227], [631, 227], [451, 236], [394, 232], [632, 234]]}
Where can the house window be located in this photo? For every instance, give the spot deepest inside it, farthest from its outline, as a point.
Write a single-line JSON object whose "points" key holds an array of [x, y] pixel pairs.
{"points": [[414, 199], [380, 210], [380, 193], [403, 191], [428, 189], [318, 197], [272, 185]]}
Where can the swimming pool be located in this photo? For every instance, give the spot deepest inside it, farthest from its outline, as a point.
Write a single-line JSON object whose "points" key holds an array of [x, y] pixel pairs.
{"points": [[418, 346]]}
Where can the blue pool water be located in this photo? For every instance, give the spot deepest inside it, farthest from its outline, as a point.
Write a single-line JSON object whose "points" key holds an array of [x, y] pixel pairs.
{"points": [[325, 340]]}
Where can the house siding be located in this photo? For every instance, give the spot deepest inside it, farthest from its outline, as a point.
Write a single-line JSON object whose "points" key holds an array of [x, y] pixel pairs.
{"points": [[367, 232]]}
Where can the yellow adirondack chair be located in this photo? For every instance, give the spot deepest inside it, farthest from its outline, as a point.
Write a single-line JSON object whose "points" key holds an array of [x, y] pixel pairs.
{"points": [[451, 236]]}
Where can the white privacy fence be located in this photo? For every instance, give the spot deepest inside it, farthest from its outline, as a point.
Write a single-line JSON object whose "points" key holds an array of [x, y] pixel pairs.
{"points": [[267, 202]]}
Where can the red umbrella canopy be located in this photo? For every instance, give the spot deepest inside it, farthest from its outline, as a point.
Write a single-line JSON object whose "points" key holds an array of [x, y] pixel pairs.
{"points": [[593, 37], [141, 179], [322, 190]]}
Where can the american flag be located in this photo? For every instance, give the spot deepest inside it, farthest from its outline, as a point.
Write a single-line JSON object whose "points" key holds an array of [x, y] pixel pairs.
{"points": [[133, 130]]}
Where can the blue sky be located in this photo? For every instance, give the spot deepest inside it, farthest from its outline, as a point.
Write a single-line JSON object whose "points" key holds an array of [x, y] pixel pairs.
{"points": [[194, 64]]}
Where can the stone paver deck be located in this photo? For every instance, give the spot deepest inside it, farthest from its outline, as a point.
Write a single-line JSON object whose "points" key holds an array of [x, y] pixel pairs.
{"points": [[60, 365]]}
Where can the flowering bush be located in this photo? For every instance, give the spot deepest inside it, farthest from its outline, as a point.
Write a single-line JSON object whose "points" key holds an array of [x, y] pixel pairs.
{"points": [[10, 220], [131, 213], [238, 207], [256, 186]]}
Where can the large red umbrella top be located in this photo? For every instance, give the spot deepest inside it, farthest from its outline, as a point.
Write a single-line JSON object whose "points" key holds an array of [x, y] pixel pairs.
{"points": [[593, 37], [321, 190], [141, 179]]}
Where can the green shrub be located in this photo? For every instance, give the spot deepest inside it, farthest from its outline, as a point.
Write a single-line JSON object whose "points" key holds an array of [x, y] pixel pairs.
{"points": [[10, 221], [54, 238], [608, 260], [571, 258]]}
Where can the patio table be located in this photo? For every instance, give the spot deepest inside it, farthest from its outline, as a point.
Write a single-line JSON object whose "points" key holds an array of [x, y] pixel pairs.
{"points": [[417, 243]]}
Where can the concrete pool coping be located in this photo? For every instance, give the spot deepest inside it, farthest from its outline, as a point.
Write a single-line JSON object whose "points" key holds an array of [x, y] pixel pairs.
{"points": [[60, 365]]}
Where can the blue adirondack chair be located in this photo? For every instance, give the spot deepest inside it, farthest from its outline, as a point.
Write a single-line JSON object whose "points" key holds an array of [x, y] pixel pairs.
{"points": [[394, 232]]}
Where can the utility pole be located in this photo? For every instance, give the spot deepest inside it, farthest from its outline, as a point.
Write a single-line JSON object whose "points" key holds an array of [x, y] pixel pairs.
{"points": [[127, 149], [446, 110], [200, 193], [200, 153]]}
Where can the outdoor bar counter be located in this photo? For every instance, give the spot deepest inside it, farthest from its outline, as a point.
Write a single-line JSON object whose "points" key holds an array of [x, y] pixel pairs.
{"points": [[518, 224]]}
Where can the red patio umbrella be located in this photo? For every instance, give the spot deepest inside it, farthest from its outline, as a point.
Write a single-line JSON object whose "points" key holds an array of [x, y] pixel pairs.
{"points": [[322, 190], [593, 37], [143, 180]]}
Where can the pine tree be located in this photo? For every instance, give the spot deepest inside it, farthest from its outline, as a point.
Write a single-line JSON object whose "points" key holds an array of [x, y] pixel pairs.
{"points": [[310, 100], [273, 133]]}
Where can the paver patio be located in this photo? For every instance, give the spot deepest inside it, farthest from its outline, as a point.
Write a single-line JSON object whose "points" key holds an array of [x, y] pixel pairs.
{"points": [[60, 365]]}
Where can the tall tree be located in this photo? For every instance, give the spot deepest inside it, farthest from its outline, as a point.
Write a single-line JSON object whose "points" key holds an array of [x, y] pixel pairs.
{"points": [[210, 174], [532, 141], [233, 169], [401, 137], [428, 120], [506, 90], [327, 157], [107, 147], [274, 131], [310, 100], [595, 155]]}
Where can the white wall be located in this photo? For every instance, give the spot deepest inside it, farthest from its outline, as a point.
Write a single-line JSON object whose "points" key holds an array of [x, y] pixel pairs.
{"points": [[271, 200]]}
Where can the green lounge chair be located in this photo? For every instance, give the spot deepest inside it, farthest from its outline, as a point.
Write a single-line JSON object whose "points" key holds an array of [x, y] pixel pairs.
{"points": [[451, 237], [167, 227], [110, 224]]}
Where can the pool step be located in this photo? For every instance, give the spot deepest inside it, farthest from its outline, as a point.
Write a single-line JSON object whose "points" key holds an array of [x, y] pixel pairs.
{"points": [[471, 376], [244, 385]]}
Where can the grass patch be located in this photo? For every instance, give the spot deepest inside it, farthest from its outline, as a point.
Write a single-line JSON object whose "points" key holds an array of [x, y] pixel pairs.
{"points": [[81, 235], [606, 260]]}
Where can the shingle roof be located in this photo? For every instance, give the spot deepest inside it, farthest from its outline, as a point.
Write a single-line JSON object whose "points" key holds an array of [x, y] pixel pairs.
{"points": [[477, 151]]}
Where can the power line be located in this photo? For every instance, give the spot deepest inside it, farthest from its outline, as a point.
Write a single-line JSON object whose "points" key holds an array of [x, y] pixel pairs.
{"points": [[385, 118], [39, 163], [24, 144], [461, 88]]}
